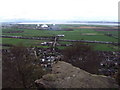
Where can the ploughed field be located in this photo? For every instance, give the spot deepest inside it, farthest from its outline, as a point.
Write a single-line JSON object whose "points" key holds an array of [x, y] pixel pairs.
{"points": [[70, 32]]}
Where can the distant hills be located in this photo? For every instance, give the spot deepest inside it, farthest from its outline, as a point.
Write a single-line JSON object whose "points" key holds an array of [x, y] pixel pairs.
{"points": [[54, 21]]}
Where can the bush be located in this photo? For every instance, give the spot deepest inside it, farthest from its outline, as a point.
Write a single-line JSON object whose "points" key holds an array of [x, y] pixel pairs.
{"points": [[20, 68], [82, 56]]}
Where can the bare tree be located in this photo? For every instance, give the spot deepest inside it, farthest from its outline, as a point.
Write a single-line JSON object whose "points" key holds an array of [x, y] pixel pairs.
{"points": [[20, 68], [82, 56]]}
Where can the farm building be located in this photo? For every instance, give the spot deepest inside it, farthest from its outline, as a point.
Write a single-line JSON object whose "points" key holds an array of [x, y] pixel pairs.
{"points": [[48, 27], [44, 26], [60, 35]]}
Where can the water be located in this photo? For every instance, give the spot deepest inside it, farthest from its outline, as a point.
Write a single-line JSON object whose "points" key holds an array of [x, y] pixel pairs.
{"points": [[108, 24]]}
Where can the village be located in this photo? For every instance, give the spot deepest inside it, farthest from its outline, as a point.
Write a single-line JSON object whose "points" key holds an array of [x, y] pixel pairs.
{"points": [[110, 63], [47, 56], [34, 27]]}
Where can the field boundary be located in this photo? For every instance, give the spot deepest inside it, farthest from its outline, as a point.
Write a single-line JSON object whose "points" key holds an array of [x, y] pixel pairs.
{"points": [[52, 38]]}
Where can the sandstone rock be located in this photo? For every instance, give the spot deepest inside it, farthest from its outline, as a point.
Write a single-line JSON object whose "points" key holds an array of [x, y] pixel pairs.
{"points": [[64, 75]]}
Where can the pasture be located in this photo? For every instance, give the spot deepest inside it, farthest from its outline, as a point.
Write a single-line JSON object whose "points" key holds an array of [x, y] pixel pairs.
{"points": [[79, 32]]}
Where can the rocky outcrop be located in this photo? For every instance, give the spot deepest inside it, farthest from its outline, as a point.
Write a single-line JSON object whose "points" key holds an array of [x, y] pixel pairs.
{"points": [[64, 75]]}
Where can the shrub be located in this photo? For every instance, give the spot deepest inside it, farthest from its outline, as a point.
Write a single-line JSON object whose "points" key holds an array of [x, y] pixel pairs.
{"points": [[20, 68], [82, 56]]}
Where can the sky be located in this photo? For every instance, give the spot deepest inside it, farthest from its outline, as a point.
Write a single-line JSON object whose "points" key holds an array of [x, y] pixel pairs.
{"points": [[80, 10]]}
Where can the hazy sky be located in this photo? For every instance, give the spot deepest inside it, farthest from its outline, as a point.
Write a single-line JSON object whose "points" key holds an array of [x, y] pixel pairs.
{"points": [[59, 9]]}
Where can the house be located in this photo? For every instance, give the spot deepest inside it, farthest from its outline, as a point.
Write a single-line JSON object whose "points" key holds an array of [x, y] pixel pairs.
{"points": [[60, 35], [44, 26], [44, 43]]}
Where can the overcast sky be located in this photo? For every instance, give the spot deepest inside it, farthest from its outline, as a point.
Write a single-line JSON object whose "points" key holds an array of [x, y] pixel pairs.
{"points": [[94, 10]]}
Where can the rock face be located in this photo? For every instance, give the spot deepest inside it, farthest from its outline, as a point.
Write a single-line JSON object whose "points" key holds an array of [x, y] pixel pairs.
{"points": [[64, 75]]}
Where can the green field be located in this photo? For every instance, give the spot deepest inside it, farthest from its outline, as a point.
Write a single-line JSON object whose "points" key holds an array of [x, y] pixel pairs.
{"points": [[76, 34]]}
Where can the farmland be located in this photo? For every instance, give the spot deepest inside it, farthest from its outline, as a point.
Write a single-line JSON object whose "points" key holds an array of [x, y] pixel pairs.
{"points": [[91, 48], [78, 32]]}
